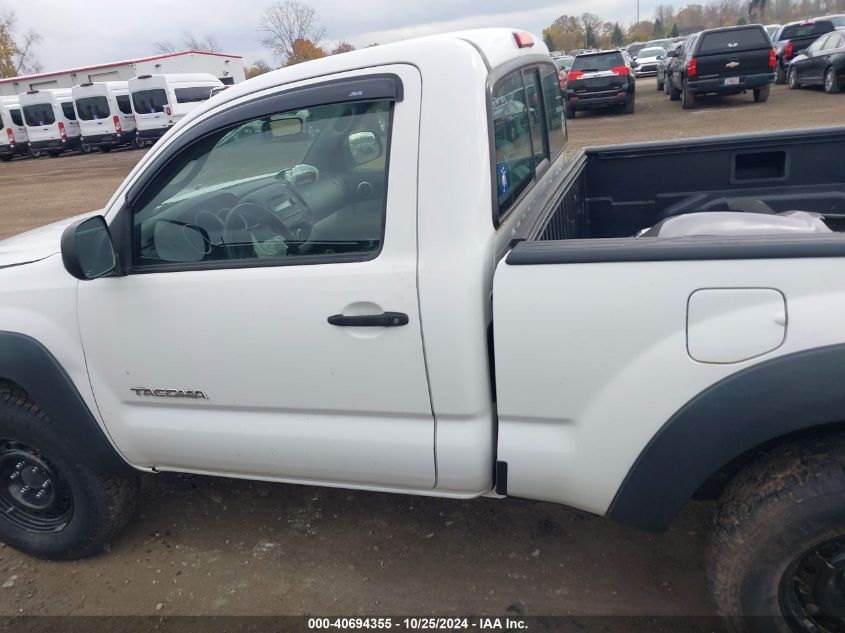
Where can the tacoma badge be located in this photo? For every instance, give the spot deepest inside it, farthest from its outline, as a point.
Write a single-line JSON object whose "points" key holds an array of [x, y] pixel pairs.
{"points": [[194, 394]]}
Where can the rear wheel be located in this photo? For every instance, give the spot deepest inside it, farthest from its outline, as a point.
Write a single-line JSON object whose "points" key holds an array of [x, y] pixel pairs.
{"points": [[569, 111], [660, 83], [105, 149], [5, 159], [137, 143], [51, 505], [831, 81], [687, 97], [629, 107], [792, 79], [761, 95], [778, 545], [780, 74], [84, 148], [35, 153], [674, 93], [54, 153]]}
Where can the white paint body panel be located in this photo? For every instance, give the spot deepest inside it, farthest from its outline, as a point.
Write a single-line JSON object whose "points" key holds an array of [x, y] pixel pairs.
{"points": [[591, 360], [110, 90], [168, 83], [730, 325], [50, 99], [6, 105]]}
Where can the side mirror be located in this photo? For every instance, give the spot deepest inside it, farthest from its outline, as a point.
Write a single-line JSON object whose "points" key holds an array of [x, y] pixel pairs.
{"points": [[364, 147], [87, 249]]}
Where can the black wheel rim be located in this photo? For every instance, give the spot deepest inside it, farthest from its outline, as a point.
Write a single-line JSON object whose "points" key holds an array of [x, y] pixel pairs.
{"points": [[33, 494], [812, 591]]}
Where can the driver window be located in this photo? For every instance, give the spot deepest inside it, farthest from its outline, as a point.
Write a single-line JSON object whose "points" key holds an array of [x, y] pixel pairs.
{"points": [[300, 186]]}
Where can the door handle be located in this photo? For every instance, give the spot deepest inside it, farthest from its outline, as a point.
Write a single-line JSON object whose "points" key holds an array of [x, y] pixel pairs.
{"points": [[385, 319]]}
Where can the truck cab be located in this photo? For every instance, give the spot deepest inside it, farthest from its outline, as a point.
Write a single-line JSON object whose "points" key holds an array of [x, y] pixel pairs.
{"points": [[406, 296]]}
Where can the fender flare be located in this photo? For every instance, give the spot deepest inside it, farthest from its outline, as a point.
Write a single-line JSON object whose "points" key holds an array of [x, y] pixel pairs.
{"points": [[28, 363], [758, 404]]}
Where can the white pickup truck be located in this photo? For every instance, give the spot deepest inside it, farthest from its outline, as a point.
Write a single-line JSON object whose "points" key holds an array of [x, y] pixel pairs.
{"points": [[417, 292]]}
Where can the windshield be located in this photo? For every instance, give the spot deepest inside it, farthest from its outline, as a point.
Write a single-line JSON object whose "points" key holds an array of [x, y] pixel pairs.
{"points": [[771, 30], [651, 52], [39, 114], [149, 101], [92, 108], [734, 39], [598, 63]]}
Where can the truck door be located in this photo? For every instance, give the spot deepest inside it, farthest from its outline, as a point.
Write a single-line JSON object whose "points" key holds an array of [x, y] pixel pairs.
{"points": [[269, 324]]}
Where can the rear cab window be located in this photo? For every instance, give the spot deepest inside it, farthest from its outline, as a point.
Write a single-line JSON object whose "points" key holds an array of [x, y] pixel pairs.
{"points": [[805, 29], [751, 38], [600, 62], [528, 129]]}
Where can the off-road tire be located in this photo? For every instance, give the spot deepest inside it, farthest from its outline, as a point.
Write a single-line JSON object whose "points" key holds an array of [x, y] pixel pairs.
{"points": [[687, 97], [831, 81], [761, 95], [101, 503], [773, 515]]}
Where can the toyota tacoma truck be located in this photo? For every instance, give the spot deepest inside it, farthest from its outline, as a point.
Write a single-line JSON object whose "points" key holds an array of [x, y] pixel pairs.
{"points": [[416, 298]]}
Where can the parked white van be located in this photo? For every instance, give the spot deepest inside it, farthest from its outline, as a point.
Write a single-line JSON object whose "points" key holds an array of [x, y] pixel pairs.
{"points": [[13, 137], [159, 101], [50, 120], [104, 112]]}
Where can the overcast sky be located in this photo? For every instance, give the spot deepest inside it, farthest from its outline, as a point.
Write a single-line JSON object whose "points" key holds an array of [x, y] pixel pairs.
{"points": [[87, 32]]}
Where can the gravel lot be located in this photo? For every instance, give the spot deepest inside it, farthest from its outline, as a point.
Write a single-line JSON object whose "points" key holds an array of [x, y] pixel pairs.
{"points": [[210, 546]]}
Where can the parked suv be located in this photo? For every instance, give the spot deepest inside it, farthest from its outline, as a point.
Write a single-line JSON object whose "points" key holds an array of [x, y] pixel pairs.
{"points": [[599, 80], [730, 60], [791, 40]]}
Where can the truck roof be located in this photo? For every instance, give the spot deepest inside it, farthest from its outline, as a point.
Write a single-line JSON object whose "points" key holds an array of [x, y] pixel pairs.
{"points": [[495, 46]]}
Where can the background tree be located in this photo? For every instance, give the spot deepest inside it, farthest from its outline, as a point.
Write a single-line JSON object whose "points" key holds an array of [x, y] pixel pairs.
{"points": [[617, 38], [190, 42], [342, 47], [657, 30], [590, 25], [303, 50], [674, 32], [641, 31], [286, 23], [564, 34], [258, 67], [17, 52]]}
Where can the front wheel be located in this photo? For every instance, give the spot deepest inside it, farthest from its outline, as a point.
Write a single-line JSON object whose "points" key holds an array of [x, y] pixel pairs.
{"points": [[660, 84], [831, 81], [51, 504], [776, 561], [674, 93], [761, 95], [84, 148]]}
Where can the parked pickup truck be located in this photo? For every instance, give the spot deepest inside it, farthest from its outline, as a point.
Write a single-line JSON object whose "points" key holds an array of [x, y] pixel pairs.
{"points": [[411, 297], [725, 61]]}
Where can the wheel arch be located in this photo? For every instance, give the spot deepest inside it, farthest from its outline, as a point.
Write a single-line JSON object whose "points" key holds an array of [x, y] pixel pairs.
{"points": [[28, 365], [726, 426]]}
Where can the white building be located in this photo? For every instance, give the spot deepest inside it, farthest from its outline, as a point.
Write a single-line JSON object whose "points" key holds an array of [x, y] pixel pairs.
{"points": [[228, 68]]}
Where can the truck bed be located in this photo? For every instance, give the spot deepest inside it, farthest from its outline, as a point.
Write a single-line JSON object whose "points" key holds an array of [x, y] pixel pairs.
{"points": [[614, 192]]}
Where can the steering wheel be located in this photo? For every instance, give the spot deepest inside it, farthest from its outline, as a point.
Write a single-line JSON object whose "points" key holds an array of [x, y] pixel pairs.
{"points": [[243, 220]]}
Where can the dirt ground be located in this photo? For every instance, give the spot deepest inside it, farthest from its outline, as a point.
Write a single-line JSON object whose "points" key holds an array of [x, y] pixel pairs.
{"points": [[210, 546]]}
